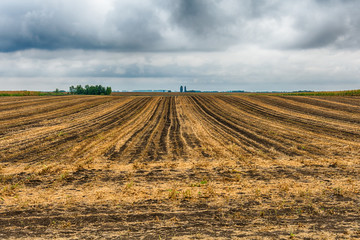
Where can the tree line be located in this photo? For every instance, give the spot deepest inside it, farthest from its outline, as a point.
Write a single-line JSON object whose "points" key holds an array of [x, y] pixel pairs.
{"points": [[90, 90]]}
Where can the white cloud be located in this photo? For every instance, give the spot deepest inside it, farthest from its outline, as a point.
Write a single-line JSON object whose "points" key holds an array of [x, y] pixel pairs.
{"points": [[250, 66]]}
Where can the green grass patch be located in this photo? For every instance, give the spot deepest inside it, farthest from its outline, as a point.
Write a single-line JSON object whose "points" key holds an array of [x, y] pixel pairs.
{"points": [[326, 93]]}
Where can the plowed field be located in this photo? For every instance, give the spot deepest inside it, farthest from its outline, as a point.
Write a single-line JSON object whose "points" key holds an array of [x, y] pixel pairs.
{"points": [[197, 166]]}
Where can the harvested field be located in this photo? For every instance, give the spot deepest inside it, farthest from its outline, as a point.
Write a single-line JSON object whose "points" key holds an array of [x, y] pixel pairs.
{"points": [[190, 166]]}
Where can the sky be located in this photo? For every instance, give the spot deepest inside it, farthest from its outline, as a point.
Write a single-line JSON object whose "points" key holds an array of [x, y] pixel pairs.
{"points": [[251, 45]]}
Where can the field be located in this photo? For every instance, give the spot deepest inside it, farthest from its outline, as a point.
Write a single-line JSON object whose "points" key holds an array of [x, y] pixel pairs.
{"points": [[190, 166], [28, 93]]}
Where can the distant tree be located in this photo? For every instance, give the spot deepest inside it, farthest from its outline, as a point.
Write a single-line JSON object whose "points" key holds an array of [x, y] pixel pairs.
{"points": [[108, 91], [90, 90], [184, 88], [72, 90], [79, 90], [181, 88], [86, 91]]}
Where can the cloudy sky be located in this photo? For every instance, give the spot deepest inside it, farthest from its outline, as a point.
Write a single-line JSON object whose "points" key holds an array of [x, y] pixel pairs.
{"points": [[251, 45]]}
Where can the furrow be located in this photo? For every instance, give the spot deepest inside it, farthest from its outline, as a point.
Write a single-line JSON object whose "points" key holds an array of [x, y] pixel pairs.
{"points": [[177, 144], [243, 129], [187, 132], [38, 119], [135, 143], [308, 124], [326, 103], [304, 108], [43, 111], [23, 102], [224, 133], [77, 132]]}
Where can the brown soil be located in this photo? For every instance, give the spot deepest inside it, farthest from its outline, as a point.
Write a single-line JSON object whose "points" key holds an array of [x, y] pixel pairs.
{"points": [[180, 166]]}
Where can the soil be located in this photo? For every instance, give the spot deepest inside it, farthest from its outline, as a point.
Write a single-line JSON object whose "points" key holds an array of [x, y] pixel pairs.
{"points": [[180, 166]]}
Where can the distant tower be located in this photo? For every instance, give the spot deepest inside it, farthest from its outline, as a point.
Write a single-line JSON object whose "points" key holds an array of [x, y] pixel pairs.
{"points": [[181, 88], [184, 88]]}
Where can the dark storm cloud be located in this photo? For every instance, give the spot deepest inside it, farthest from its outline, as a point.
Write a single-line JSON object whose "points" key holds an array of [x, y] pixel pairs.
{"points": [[161, 25], [329, 23], [206, 24], [199, 17], [24, 26], [202, 18], [133, 27]]}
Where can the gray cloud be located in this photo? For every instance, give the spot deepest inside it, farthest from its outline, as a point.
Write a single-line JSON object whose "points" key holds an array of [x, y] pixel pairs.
{"points": [[43, 25], [327, 23], [161, 25]]}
